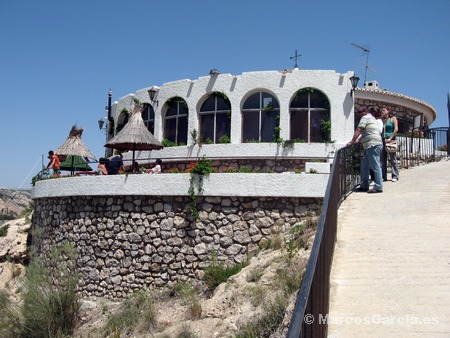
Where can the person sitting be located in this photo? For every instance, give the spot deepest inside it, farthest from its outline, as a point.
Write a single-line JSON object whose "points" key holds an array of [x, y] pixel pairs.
{"points": [[133, 169], [156, 169], [115, 165], [102, 168]]}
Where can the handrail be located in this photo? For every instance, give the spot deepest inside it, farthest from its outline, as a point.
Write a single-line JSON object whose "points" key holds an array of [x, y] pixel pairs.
{"points": [[312, 304]]}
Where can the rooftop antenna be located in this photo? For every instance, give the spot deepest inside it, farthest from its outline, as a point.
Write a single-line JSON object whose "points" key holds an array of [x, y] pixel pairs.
{"points": [[295, 57], [365, 50]]}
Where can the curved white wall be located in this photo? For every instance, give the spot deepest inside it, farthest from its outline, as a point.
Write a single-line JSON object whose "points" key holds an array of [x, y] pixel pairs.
{"points": [[223, 184], [283, 86]]}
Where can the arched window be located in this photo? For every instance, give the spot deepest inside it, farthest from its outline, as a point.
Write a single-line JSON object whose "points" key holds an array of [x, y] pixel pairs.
{"points": [[310, 116], [261, 118], [122, 120], [148, 115], [215, 119], [176, 122]]}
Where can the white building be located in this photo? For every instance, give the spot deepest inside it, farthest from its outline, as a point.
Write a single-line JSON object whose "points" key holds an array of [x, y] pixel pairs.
{"points": [[266, 114]]}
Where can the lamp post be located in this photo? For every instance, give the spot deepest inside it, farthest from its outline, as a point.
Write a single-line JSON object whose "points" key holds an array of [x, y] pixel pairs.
{"points": [[152, 94], [102, 125], [105, 123], [354, 81]]}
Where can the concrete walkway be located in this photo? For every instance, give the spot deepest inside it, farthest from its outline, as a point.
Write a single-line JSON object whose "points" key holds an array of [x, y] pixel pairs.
{"points": [[391, 269]]}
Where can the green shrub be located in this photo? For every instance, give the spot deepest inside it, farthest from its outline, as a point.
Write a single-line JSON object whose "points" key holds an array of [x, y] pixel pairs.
{"points": [[299, 234], [10, 317], [219, 272], [50, 306], [268, 323], [224, 139], [189, 295], [4, 230], [167, 143], [137, 313], [50, 302], [245, 170]]}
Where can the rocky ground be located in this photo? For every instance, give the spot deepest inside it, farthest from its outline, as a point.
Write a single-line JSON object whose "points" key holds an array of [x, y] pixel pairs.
{"points": [[12, 203], [233, 304]]}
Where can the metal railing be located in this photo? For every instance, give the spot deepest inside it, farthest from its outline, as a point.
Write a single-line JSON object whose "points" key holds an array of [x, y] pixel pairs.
{"points": [[312, 304], [422, 146]]}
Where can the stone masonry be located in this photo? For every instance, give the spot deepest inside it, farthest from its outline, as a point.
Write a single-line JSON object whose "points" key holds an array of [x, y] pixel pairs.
{"points": [[126, 243]]}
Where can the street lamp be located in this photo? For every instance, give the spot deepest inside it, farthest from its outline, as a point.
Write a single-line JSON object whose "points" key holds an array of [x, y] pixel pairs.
{"points": [[102, 125], [354, 81], [152, 94]]}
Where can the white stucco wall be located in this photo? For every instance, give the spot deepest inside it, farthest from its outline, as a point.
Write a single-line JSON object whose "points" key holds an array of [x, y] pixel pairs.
{"points": [[283, 86], [223, 184], [241, 150]]}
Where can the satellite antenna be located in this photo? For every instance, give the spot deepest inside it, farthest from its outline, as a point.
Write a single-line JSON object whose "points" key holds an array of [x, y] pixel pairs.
{"points": [[295, 57], [365, 50]]}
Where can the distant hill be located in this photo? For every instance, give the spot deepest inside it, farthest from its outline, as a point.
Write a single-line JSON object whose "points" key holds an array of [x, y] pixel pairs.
{"points": [[13, 202]]}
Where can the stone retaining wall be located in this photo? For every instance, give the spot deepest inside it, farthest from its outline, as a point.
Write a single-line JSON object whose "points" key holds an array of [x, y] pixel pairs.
{"points": [[127, 243]]}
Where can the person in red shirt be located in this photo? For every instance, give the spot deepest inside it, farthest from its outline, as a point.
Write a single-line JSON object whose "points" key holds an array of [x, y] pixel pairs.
{"points": [[54, 163]]}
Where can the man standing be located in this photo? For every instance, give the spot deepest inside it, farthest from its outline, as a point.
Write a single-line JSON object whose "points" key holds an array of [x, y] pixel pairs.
{"points": [[369, 129], [54, 163]]}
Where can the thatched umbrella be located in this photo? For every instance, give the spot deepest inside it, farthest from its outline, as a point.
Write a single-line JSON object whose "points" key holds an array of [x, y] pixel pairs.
{"points": [[74, 146], [134, 135]]}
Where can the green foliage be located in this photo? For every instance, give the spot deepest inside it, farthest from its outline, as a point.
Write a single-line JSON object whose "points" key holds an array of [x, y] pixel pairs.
{"points": [[276, 136], [255, 275], [8, 217], [10, 317], [268, 323], [167, 143], [27, 212], [202, 167], [189, 295], [224, 139], [288, 143], [325, 127], [194, 136], [220, 94], [4, 230], [298, 235], [208, 141], [218, 272], [111, 127], [193, 200], [50, 306], [136, 313], [245, 170]]}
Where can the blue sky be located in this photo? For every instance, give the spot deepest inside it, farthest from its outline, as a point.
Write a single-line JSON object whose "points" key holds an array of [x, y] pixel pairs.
{"points": [[58, 59]]}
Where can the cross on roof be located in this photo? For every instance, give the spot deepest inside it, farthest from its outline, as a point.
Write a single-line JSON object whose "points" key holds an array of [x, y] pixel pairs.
{"points": [[295, 57]]}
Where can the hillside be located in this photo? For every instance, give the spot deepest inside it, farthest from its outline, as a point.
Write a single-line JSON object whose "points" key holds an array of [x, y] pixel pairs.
{"points": [[12, 203], [247, 301]]}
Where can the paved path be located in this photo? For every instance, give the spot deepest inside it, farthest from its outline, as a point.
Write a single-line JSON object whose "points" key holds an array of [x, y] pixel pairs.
{"points": [[391, 269]]}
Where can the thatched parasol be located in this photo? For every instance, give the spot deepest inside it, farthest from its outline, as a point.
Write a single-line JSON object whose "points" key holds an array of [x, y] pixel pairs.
{"points": [[134, 135], [74, 145]]}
